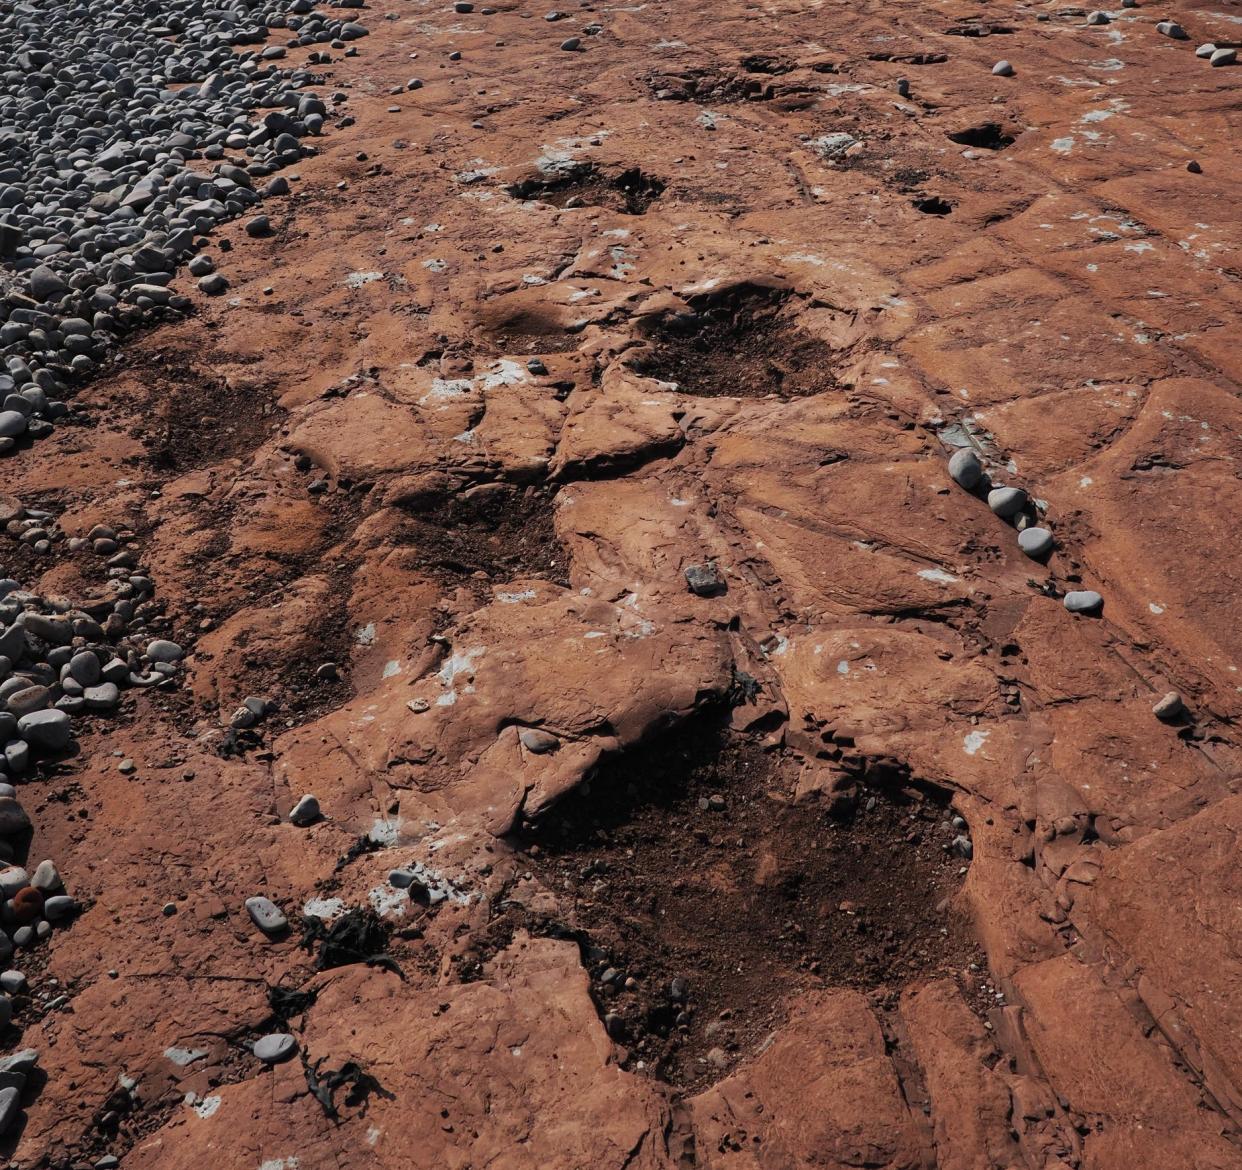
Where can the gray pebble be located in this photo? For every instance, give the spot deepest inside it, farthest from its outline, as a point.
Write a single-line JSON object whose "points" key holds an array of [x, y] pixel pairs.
{"points": [[538, 741], [571, 45], [162, 650], [305, 812], [1006, 502], [1170, 708], [59, 906], [1083, 601], [266, 915], [1035, 542], [46, 729], [274, 1048], [965, 468], [1002, 69], [705, 580], [13, 982], [1224, 57], [45, 878], [10, 1106], [1170, 28], [1205, 51], [1098, 17]]}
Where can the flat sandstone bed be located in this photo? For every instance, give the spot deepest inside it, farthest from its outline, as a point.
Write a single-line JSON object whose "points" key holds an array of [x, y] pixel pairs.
{"points": [[709, 504]]}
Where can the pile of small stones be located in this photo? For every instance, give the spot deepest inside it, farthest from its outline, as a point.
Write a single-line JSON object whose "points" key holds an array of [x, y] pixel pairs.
{"points": [[127, 133], [1013, 504]]}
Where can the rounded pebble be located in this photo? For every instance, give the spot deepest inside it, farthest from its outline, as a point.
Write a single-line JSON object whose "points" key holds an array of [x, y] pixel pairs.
{"points": [[1006, 502], [1035, 542], [965, 468], [274, 1048], [1083, 601]]}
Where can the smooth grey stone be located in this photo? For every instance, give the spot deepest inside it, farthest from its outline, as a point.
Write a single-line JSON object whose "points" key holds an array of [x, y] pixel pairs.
{"points": [[10, 1101], [12, 423], [17, 756], [46, 284], [1169, 708], [28, 699], [538, 741], [45, 878], [49, 729], [965, 468], [276, 1047], [13, 982], [13, 818], [57, 630], [1006, 502], [201, 266], [1170, 28], [1035, 542], [1002, 69], [58, 906], [214, 285], [1205, 51], [266, 915], [162, 650], [24, 936], [12, 879], [23, 1061], [571, 45], [305, 812], [102, 697], [85, 668], [1224, 57], [1098, 17], [1083, 601]]}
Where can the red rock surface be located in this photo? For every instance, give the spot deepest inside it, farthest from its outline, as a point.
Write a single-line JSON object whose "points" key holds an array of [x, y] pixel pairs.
{"points": [[497, 550]]}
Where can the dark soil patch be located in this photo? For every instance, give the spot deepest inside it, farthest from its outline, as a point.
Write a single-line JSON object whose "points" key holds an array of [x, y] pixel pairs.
{"points": [[630, 192], [742, 342], [195, 417], [491, 534], [709, 86], [687, 860], [988, 136]]}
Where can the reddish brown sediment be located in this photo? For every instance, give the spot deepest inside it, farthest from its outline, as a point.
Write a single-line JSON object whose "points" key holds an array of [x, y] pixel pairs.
{"points": [[361, 467]]}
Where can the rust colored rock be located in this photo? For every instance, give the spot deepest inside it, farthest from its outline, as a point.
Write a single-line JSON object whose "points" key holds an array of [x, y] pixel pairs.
{"points": [[27, 905]]}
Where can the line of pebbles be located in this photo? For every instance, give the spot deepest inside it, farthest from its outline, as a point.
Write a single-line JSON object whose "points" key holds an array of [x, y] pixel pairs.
{"points": [[59, 661], [127, 133], [1037, 542]]}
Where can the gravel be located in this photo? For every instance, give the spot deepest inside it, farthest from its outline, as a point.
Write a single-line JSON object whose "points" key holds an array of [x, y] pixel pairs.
{"points": [[128, 134]]}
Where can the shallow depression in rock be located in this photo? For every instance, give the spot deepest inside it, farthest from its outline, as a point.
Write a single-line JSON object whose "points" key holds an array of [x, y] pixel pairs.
{"points": [[707, 897]]}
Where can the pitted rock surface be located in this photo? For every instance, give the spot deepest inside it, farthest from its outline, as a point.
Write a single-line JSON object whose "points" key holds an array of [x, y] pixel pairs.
{"points": [[425, 470]]}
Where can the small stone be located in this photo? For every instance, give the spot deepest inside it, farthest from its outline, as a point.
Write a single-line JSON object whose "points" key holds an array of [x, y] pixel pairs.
{"points": [[58, 907], [162, 650], [13, 818], [1169, 708], [10, 1104], [1194, 168], [47, 729], [965, 469], [1205, 51], [327, 672], [170, 909], [1224, 57], [103, 697], [705, 580], [260, 225], [45, 878], [1035, 542], [1002, 69], [571, 45], [266, 915], [716, 802], [275, 1048], [538, 741], [214, 285], [1098, 17], [1170, 28], [13, 982], [127, 767], [84, 668], [305, 812], [1006, 502], [1083, 601]]}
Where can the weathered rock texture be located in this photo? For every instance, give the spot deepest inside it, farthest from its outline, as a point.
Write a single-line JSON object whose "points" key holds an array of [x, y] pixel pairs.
{"points": [[746, 357]]}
